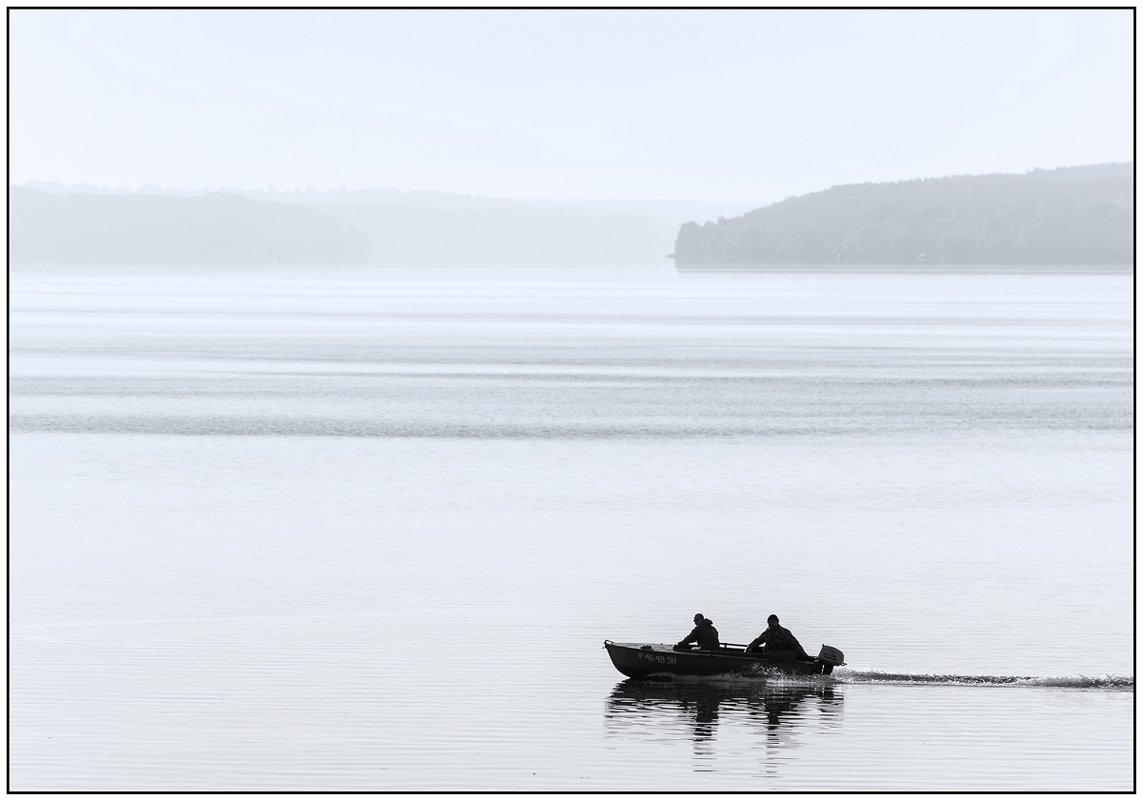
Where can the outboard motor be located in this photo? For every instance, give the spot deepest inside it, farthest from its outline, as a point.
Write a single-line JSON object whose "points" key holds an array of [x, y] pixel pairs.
{"points": [[831, 656]]}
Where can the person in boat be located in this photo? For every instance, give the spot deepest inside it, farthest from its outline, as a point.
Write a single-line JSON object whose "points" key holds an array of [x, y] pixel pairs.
{"points": [[704, 634], [778, 641]]}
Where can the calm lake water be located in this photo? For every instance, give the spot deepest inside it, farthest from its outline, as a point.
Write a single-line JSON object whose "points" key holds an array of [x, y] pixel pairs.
{"points": [[368, 531]]}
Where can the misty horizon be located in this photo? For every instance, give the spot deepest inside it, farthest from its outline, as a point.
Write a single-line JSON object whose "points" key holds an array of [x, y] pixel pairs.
{"points": [[1071, 215], [56, 185], [731, 106]]}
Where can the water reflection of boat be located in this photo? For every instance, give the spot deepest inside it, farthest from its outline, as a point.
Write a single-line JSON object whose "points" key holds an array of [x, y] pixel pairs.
{"points": [[640, 659], [775, 709]]}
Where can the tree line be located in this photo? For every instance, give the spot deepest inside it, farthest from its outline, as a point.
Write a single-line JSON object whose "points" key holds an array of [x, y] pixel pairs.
{"points": [[138, 228], [1071, 215]]}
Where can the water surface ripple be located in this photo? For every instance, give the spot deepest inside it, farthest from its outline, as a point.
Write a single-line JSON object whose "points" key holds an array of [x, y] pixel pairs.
{"points": [[368, 530]]}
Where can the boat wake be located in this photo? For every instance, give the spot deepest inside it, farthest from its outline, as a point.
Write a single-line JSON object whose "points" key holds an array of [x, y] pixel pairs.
{"points": [[844, 676]]}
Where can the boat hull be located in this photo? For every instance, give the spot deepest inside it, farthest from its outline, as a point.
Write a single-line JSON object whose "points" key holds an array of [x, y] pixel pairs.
{"points": [[638, 660]]}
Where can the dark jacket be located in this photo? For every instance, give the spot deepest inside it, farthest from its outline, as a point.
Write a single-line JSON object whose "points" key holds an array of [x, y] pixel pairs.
{"points": [[705, 634], [778, 639]]}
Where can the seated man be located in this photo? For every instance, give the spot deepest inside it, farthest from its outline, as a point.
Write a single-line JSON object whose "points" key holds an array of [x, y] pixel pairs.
{"points": [[779, 642], [704, 633]]}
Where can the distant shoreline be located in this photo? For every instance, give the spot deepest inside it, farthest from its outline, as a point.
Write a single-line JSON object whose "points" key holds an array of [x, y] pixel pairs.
{"points": [[1067, 216]]}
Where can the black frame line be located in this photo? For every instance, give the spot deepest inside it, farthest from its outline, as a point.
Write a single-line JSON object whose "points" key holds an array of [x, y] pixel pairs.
{"points": [[9, 9]]}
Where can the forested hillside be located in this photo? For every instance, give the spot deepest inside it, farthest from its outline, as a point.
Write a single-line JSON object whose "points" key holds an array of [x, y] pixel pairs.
{"points": [[55, 223], [212, 229], [1071, 215]]}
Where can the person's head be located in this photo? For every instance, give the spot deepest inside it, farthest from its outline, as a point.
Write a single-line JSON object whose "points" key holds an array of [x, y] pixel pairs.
{"points": [[772, 621], [698, 618]]}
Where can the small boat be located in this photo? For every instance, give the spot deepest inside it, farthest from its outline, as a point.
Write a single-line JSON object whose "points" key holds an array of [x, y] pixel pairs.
{"points": [[642, 659]]}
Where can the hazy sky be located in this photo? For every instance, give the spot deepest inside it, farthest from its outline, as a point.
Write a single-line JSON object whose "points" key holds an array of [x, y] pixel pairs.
{"points": [[726, 105]]}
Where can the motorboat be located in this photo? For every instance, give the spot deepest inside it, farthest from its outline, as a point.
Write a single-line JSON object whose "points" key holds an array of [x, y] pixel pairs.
{"points": [[638, 660]]}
